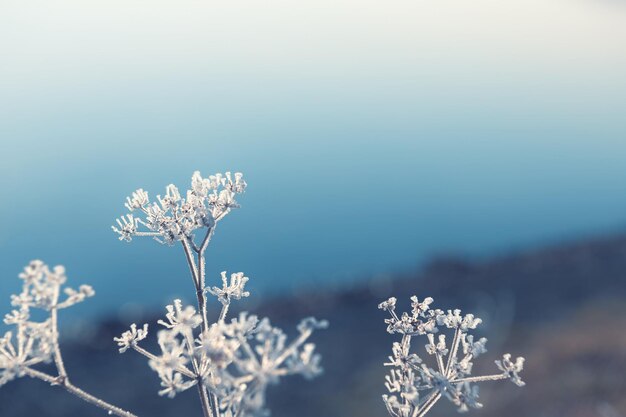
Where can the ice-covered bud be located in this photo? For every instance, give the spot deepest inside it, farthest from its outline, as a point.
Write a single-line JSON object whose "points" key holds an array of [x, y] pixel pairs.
{"points": [[172, 356], [402, 358], [453, 319], [215, 181], [511, 369], [126, 227], [467, 397], [199, 186], [181, 319], [225, 200], [306, 362], [171, 199], [237, 186], [33, 271], [73, 296], [234, 290], [137, 200], [17, 316], [438, 348], [469, 322], [130, 337], [173, 384], [420, 307], [473, 348], [242, 326], [214, 345], [309, 324], [388, 305]]}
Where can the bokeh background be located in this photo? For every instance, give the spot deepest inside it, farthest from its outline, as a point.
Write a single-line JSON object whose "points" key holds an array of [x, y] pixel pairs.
{"points": [[472, 151]]}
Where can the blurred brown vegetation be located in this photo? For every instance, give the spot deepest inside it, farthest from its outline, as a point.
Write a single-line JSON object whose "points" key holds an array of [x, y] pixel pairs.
{"points": [[563, 308]]}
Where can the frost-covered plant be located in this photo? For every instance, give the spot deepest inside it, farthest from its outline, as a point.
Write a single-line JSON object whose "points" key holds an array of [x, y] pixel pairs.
{"points": [[230, 363], [413, 385], [34, 342]]}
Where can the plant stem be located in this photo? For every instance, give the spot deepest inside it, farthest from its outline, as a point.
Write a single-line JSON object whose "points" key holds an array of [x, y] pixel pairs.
{"points": [[197, 268], [292, 347], [480, 378], [420, 412], [224, 311], [58, 359], [453, 350], [72, 389]]}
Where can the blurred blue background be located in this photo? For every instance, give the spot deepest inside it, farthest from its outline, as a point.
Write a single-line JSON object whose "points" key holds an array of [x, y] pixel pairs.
{"points": [[372, 134]]}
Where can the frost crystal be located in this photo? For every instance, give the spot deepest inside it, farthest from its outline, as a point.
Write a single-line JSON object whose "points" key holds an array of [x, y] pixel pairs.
{"points": [[414, 386], [230, 363]]}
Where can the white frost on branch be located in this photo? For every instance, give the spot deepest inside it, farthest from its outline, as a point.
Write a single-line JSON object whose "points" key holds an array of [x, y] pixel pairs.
{"points": [[174, 217], [33, 343], [230, 363], [233, 291], [235, 360], [414, 387]]}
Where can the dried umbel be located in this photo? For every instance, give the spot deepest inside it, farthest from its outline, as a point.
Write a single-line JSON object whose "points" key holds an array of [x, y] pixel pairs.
{"points": [[174, 218], [37, 342], [231, 363], [413, 385]]}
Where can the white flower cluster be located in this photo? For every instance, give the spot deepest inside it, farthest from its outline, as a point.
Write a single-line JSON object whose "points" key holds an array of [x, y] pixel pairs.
{"points": [[230, 363], [233, 291], [34, 342], [414, 386], [174, 217], [236, 361]]}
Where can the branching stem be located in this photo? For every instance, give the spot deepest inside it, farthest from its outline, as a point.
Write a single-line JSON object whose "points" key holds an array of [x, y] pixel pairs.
{"points": [[72, 389], [480, 378], [197, 267]]}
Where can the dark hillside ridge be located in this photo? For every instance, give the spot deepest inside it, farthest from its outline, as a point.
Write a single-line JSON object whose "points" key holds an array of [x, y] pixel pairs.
{"points": [[562, 307]]}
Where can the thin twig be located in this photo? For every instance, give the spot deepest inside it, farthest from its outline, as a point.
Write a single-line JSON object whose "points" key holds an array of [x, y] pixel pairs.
{"points": [[182, 369], [72, 389], [480, 378], [453, 350], [427, 406], [58, 359]]}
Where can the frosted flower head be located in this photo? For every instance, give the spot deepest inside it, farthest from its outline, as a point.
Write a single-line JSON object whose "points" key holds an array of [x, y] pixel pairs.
{"points": [[41, 288], [126, 227], [402, 358], [475, 349], [181, 319], [306, 362], [454, 319], [235, 290], [511, 369], [467, 397], [216, 347], [33, 342], [130, 337], [172, 355], [420, 307], [238, 186], [438, 347], [138, 200], [388, 305], [308, 324], [173, 384], [417, 384], [17, 316], [175, 216]]}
